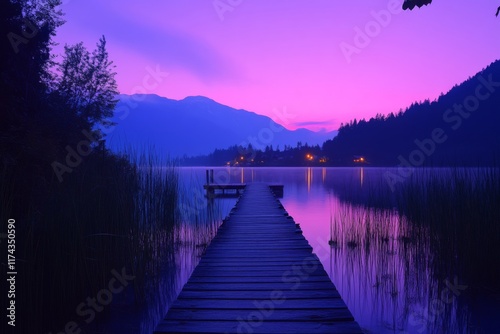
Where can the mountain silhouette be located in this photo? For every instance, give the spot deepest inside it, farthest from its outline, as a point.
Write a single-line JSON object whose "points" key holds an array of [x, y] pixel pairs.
{"points": [[197, 125]]}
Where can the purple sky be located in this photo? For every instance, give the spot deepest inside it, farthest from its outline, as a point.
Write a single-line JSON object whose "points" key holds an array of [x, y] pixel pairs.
{"points": [[267, 55]]}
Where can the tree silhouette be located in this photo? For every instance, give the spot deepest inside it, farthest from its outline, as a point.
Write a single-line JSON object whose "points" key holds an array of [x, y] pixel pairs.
{"points": [[27, 29], [87, 84], [410, 4], [46, 105]]}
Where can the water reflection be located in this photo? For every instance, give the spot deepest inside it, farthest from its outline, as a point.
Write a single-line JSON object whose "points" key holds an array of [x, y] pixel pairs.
{"points": [[383, 275], [309, 177], [361, 175], [167, 267], [388, 269], [385, 265]]}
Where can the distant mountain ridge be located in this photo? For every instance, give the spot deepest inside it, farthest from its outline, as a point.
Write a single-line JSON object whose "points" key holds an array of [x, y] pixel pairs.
{"points": [[198, 125]]}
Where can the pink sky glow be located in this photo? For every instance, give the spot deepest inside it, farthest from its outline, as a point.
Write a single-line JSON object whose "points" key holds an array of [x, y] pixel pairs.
{"points": [[263, 55]]}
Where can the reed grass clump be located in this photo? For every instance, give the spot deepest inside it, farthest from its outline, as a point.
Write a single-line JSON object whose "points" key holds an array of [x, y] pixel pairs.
{"points": [[454, 212], [461, 208], [113, 212]]}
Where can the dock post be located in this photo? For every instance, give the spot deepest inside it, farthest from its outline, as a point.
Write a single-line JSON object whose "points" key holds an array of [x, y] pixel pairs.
{"points": [[211, 176], [208, 180]]}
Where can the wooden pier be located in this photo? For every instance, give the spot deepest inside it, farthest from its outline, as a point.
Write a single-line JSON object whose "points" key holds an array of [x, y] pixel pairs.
{"points": [[259, 275], [235, 190]]}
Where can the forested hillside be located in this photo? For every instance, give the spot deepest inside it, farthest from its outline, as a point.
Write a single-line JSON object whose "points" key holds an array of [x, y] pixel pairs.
{"points": [[460, 128]]}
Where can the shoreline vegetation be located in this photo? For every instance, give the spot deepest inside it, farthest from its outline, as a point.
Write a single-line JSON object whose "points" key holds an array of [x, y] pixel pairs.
{"points": [[461, 212], [437, 232], [110, 218], [456, 207]]}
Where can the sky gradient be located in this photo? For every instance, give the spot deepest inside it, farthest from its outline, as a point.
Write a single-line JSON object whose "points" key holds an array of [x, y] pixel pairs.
{"points": [[303, 55]]}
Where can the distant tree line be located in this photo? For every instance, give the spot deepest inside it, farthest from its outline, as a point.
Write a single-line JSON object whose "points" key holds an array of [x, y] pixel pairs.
{"points": [[246, 156]]}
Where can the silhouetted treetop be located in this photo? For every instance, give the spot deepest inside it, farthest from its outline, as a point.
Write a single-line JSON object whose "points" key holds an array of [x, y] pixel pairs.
{"points": [[410, 4], [25, 60], [87, 83], [45, 104]]}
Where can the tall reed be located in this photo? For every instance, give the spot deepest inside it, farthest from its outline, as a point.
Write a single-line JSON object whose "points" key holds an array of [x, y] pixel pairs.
{"points": [[111, 213], [460, 206]]}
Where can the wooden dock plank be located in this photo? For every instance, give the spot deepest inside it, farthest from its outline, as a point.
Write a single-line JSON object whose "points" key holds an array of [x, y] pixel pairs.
{"points": [[296, 285], [237, 263], [256, 272], [259, 275], [246, 304], [253, 279], [256, 326], [260, 294], [274, 315]]}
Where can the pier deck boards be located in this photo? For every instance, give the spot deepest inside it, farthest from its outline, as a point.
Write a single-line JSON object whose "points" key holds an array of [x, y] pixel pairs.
{"points": [[214, 190], [259, 275]]}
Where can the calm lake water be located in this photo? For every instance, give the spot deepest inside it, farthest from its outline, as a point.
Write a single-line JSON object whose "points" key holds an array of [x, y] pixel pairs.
{"points": [[392, 273], [384, 274]]}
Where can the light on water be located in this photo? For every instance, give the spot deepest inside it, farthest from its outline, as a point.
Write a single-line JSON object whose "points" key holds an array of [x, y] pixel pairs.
{"points": [[399, 262], [386, 266]]}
